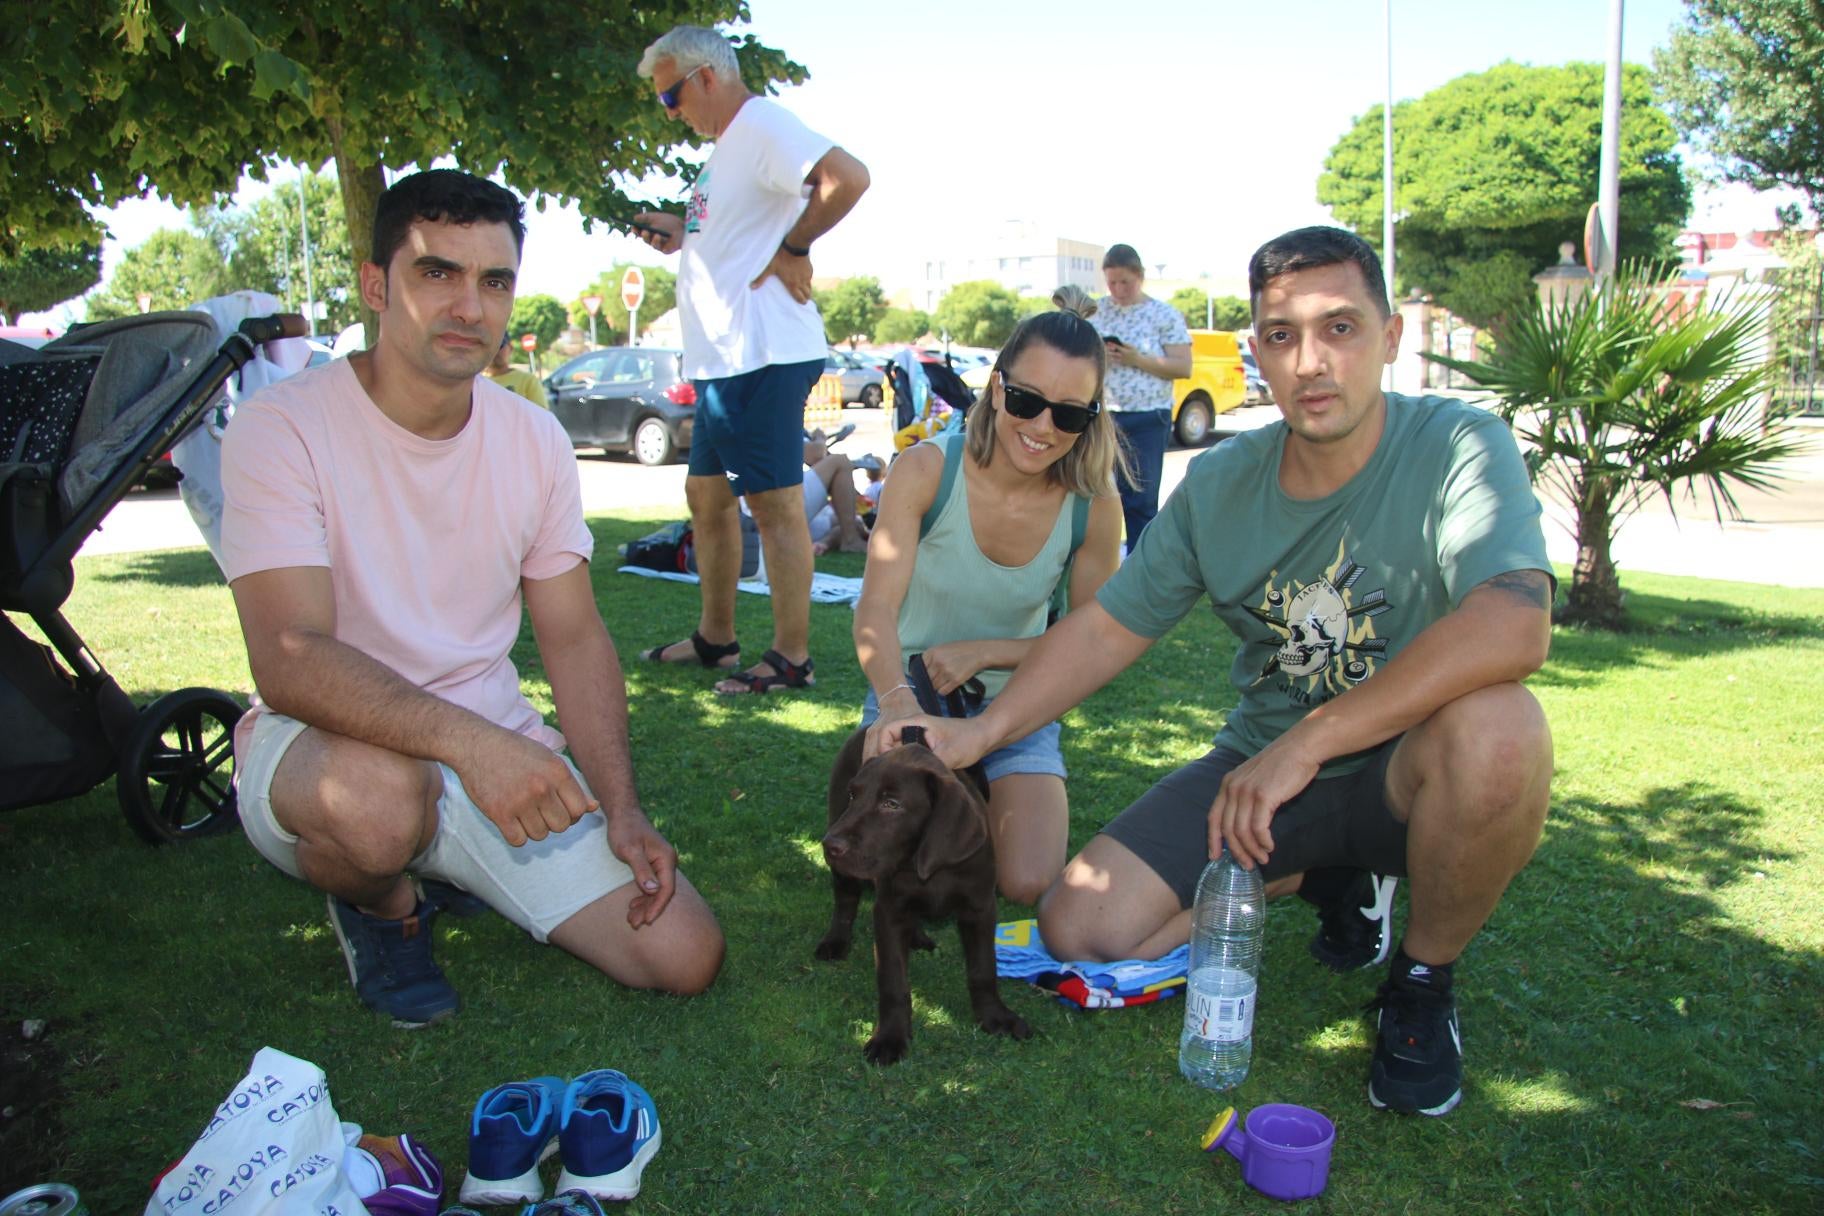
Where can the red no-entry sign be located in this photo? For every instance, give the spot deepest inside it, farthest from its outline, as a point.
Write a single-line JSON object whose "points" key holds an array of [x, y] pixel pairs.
{"points": [[528, 341]]}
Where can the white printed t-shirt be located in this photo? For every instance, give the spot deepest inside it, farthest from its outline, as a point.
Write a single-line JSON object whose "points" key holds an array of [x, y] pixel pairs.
{"points": [[748, 196], [426, 540]]}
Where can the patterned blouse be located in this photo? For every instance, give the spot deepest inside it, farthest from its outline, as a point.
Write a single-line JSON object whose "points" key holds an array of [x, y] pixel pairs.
{"points": [[1149, 327]]}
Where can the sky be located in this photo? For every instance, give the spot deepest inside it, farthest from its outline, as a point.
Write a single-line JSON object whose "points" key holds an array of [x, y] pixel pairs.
{"points": [[1190, 129]]}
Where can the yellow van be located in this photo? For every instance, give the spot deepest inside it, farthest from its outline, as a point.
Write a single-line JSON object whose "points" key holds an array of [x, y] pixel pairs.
{"points": [[1216, 385]]}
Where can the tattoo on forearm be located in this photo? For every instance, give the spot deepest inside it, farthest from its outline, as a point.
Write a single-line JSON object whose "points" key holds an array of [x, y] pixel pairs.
{"points": [[1530, 587]]}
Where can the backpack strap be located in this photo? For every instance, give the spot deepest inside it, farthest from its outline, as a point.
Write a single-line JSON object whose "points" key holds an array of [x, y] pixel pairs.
{"points": [[950, 443]]}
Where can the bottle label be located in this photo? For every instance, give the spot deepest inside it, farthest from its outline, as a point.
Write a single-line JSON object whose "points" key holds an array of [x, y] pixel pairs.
{"points": [[1222, 1017]]}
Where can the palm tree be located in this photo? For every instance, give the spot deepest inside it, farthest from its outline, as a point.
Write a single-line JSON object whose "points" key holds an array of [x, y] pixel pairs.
{"points": [[1629, 390]]}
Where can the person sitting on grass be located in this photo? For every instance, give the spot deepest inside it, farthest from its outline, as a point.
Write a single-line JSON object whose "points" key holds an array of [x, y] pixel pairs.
{"points": [[517, 379], [969, 586], [1380, 561], [386, 516]]}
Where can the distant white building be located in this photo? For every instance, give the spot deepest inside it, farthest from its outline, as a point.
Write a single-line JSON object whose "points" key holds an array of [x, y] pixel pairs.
{"points": [[1020, 257]]}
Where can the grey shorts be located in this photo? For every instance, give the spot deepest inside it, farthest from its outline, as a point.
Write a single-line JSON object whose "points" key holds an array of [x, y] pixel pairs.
{"points": [[1334, 821], [537, 886]]}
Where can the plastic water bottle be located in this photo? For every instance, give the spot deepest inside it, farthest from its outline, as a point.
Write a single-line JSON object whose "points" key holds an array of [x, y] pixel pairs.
{"points": [[1228, 919]]}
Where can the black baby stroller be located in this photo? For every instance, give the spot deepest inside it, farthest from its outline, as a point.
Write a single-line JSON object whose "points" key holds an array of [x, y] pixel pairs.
{"points": [[81, 421]]}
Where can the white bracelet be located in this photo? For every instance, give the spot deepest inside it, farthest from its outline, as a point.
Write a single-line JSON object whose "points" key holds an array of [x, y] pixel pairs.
{"points": [[883, 696]]}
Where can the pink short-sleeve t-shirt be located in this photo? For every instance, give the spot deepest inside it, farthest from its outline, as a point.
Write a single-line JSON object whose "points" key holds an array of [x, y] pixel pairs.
{"points": [[426, 540]]}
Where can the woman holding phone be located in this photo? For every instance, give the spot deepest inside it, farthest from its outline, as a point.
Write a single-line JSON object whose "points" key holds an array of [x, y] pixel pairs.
{"points": [[975, 532], [1148, 348]]}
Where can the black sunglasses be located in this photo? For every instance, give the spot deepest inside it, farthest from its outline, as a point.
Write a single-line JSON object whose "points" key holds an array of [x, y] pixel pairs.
{"points": [[1024, 403], [669, 97]]}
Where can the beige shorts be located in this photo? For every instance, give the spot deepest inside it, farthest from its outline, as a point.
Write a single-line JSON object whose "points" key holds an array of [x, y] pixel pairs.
{"points": [[537, 886]]}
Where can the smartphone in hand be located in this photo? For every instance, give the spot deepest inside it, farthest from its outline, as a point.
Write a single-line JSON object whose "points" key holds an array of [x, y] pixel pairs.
{"points": [[636, 226], [1111, 340]]}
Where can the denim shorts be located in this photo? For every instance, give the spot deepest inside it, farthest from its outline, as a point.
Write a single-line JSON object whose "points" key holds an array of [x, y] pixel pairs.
{"points": [[751, 427], [538, 886], [1036, 753]]}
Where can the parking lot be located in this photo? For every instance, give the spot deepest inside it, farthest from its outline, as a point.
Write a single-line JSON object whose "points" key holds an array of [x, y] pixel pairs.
{"points": [[1768, 546]]}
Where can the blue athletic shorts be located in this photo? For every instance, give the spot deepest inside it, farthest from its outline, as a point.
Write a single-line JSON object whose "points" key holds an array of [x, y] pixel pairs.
{"points": [[751, 427], [1038, 752]]}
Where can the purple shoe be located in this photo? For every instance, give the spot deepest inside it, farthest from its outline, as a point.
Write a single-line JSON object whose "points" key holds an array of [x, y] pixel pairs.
{"points": [[414, 1180]]}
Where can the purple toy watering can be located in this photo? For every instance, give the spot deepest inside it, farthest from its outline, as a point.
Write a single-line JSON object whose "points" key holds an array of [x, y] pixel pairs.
{"points": [[1284, 1150]]}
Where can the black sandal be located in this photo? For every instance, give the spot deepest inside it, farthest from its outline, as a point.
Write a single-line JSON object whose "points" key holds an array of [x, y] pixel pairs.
{"points": [[708, 653], [785, 675]]}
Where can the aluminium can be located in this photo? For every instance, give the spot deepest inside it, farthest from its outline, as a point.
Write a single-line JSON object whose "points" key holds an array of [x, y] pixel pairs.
{"points": [[45, 1199]]}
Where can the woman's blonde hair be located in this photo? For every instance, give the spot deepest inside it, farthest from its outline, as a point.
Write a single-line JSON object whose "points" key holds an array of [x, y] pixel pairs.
{"points": [[1088, 468]]}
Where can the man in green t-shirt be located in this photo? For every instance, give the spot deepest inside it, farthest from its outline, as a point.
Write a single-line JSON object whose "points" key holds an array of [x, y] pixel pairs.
{"points": [[1380, 560]]}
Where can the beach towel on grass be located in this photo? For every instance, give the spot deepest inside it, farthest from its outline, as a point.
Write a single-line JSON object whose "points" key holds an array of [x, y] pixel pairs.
{"points": [[825, 588], [1019, 954]]}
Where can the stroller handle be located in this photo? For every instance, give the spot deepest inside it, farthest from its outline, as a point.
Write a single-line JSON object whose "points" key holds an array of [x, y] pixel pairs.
{"points": [[270, 329]]}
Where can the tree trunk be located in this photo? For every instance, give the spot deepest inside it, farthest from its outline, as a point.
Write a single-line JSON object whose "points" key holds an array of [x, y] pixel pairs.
{"points": [[362, 186], [1595, 595]]}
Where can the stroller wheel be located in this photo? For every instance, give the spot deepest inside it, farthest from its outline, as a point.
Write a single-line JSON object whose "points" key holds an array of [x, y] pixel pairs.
{"points": [[177, 767]]}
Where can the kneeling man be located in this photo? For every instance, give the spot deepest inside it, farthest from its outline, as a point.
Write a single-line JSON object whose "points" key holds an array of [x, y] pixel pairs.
{"points": [[1380, 560], [386, 515]]}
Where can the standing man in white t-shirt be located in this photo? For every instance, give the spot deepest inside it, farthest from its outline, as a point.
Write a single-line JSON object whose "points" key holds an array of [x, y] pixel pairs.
{"points": [[386, 517], [753, 342]]}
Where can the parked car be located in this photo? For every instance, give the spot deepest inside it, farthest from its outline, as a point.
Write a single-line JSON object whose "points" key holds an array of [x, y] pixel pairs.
{"points": [[1217, 384], [862, 380], [1258, 392], [626, 399]]}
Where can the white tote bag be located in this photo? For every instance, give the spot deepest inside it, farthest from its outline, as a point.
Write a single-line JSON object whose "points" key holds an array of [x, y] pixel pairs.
{"points": [[273, 1146]]}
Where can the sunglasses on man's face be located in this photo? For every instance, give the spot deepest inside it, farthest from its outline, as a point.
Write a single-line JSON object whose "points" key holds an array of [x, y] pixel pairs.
{"points": [[1024, 403], [669, 97]]}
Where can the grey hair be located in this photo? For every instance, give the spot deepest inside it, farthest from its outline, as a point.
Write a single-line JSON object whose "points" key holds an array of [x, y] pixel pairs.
{"points": [[1072, 298], [688, 47]]}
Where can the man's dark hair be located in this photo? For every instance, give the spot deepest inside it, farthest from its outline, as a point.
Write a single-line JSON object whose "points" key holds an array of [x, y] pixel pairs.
{"points": [[443, 194], [1308, 249]]}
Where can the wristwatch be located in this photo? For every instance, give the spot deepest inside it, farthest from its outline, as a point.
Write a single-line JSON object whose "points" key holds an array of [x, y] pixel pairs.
{"points": [[797, 251]]}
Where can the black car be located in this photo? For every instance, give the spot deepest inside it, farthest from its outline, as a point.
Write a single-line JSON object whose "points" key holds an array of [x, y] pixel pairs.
{"points": [[626, 399]]}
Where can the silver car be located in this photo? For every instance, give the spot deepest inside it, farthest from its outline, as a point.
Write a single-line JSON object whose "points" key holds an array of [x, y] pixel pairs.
{"points": [[862, 381]]}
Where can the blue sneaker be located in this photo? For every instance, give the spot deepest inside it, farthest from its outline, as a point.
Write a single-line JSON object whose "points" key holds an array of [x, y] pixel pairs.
{"points": [[390, 964], [513, 1129], [608, 1130]]}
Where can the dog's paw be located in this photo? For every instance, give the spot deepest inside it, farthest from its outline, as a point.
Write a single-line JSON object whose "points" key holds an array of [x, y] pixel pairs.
{"points": [[832, 949], [1006, 1021], [884, 1049]]}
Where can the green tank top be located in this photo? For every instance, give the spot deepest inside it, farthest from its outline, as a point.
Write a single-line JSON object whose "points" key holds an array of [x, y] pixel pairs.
{"points": [[958, 594]]}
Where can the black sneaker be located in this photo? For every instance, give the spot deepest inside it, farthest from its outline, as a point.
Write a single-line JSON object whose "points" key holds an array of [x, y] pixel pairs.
{"points": [[1418, 1049], [390, 964], [1356, 928]]}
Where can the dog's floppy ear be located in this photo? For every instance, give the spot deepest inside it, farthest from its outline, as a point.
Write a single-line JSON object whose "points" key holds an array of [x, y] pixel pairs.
{"points": [[955, 829]]}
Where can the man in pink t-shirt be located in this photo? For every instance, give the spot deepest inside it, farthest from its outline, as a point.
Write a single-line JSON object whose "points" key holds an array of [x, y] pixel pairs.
{"points": [[385, 517]]}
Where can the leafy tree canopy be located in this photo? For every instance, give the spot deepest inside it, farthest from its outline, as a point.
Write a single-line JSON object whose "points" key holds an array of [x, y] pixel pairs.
{"points": [[852, 309], [264, 243], [104, 102], [1494, 170], [902, 325], [38, 279], [977, 313], [1740, 79], [542, 315], [611, 322], [176, 268], [1229, 312]]}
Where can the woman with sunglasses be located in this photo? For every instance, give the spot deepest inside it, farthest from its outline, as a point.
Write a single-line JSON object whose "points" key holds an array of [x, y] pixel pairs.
{"points": [[1149, 346], [961, 570]]}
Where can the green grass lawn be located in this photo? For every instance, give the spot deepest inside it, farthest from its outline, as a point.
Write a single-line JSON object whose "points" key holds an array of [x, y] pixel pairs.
{"points": [[1663, 952]]}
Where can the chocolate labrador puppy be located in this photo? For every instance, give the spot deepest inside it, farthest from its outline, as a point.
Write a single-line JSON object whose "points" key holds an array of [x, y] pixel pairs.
{"points": [[919, 833]]}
